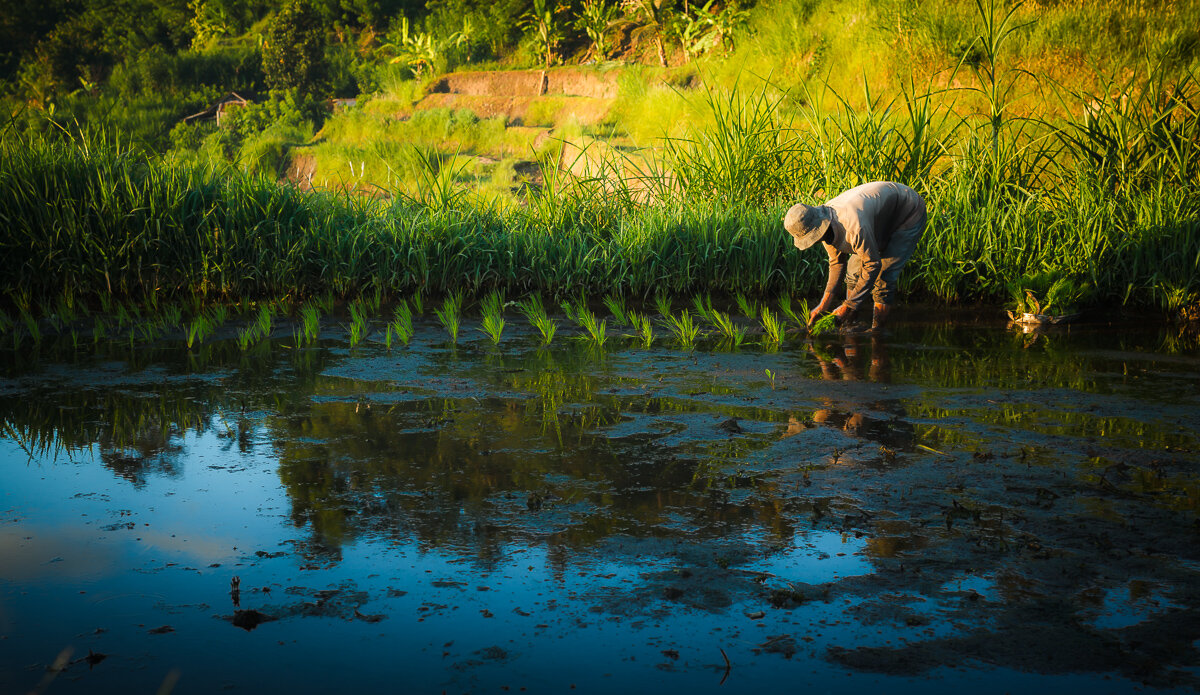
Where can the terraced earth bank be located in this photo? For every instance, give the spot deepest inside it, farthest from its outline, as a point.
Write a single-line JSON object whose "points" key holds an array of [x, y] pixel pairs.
{"points": [[503, 127], [951, 505]]}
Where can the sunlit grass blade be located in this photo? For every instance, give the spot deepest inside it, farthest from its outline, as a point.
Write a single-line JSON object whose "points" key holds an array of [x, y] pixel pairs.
{"points": [[644, 327], [535, 312], [493, 316], [616, 305], [448, 315]]}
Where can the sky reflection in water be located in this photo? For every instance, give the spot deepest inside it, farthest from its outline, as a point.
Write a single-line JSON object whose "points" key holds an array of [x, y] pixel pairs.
{"points": [[471, 519]]}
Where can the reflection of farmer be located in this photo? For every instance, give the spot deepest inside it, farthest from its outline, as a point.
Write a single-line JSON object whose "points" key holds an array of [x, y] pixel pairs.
{"points": [[847, 365], [875, 227]]}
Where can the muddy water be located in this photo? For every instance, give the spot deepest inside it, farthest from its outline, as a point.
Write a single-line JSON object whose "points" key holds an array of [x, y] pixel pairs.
{"points": [[953, 505]]}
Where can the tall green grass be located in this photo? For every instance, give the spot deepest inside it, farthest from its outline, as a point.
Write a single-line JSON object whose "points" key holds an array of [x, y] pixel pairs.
{"points": [[1110, 197]]}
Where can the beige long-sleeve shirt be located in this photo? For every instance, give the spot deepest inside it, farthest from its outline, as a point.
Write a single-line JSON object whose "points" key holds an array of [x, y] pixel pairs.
{"points": [[864, 219]]}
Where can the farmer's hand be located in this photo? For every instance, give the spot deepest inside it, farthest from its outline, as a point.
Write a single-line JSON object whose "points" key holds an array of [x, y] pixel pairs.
{"points": [[842, 313], [814, 315]]}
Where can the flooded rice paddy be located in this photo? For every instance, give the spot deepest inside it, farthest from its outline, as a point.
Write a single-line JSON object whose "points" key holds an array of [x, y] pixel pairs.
{"points": [[950, 505]]}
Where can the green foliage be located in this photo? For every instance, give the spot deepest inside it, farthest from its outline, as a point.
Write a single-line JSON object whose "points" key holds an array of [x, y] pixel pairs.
{"points": [[616, 305], [773, 328], [593, 328], [493, 316], [402, 323], [543, 28], [535, 312], [644, 327], [294, 50], [598, 19], [1051, 293], [449, 313], [683, 328]]}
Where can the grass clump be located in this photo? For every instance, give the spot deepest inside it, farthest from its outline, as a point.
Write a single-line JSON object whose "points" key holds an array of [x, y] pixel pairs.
{"points": [[683, 328], [535, 312], [616, 306], [493, 316], [731, 332], [593, 328], [448, 314], [401, 324], [644, 327], [773, 328]]}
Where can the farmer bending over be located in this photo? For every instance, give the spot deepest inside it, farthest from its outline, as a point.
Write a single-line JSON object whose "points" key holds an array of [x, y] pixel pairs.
{"points": [[875, 227]]}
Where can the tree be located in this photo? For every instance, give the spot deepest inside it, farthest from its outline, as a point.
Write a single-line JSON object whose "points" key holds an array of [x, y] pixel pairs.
{"points": [[650, 19], [294, 50]]}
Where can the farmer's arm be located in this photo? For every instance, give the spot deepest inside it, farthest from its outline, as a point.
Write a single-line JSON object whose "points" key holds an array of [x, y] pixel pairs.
{"points": [[837, 271], [871, 265]]}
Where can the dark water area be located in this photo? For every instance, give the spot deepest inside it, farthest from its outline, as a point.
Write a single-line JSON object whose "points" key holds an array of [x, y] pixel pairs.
{"points": [[951, 505]]}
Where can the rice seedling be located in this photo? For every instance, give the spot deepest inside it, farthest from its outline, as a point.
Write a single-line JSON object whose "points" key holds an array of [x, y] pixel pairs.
{"points": [[310, 323], [31, 325], [402, 324], [748, 307], [616, 306], [99, 330], [823, 325], [535, 313], [662, 302], [771, 376], [587, 320], [257, 329], [374, 301], [359, 325], [773, 328], [730, 331], [644, 327], [418, 303], [704, 308], [448, 315], [172, 315], [785, 306], [493, 316], [683, 328], [198, 329]]}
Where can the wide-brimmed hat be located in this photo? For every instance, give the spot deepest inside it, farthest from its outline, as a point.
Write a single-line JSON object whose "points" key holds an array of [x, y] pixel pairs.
{"points": [[807, 223]]}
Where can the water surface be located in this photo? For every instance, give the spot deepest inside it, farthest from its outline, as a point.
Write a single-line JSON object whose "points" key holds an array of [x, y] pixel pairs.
{"points": [[953, 504]]}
